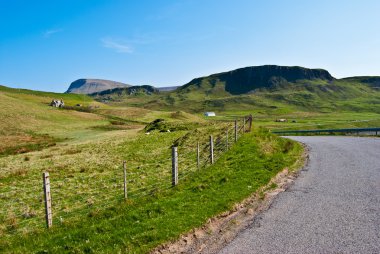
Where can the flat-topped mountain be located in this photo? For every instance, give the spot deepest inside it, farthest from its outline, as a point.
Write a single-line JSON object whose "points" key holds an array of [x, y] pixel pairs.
{"points": [[89, 86], [247, 79]]}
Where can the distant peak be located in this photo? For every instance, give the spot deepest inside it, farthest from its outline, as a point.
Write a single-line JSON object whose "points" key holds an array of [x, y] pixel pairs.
{"points": [[89, 86]]}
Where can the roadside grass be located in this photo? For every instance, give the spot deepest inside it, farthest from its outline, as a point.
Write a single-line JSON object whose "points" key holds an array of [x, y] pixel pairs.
{"points": [[142, 223]]}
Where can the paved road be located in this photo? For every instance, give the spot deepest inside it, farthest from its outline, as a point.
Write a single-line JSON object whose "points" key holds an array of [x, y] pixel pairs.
{"points": [[333, 207]]}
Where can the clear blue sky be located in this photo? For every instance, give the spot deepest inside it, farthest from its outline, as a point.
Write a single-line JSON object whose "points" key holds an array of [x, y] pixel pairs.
{"points": [[45, 45]]}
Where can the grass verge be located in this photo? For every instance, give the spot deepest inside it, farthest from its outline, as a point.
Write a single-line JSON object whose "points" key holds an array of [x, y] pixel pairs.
{"points": [[137, 226]]}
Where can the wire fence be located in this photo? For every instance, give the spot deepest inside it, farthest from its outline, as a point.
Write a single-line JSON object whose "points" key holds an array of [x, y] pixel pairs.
{"points": [[73, 198]]}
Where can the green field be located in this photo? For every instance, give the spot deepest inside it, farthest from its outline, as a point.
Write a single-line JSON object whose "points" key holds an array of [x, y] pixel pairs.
{"points": [[91, 215]]}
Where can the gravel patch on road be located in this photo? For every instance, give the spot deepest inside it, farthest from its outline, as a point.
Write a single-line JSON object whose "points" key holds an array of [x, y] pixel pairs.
{"points": [[333, 207]]}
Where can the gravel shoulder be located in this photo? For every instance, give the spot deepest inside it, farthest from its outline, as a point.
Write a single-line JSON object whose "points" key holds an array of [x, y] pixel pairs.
{"points": [[333, 207]]}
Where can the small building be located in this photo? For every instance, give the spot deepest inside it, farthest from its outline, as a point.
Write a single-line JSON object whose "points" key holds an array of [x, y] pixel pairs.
{"points": [[210, 114], [57, 103]]}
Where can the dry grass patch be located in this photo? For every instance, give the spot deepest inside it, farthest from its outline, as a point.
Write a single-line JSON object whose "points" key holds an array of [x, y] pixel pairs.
{"points": [[24, 143]]}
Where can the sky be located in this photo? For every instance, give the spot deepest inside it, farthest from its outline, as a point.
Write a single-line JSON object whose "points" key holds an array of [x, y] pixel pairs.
{"points": [[46, 45]]}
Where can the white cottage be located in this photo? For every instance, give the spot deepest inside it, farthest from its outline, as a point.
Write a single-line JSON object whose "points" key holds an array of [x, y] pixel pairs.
{"points": [[210, 114]]}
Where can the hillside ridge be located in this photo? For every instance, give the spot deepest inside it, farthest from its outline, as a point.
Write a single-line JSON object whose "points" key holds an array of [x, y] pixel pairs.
{"points": [[247, 79], [131, 90]]}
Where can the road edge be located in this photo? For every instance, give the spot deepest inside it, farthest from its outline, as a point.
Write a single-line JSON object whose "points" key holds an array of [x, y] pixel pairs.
{"points": [[220, 230]]}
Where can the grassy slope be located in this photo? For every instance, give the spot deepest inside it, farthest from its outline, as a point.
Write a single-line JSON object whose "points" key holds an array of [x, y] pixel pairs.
{"points": [[139, 225], [144, 116], [315, 96], [28, 123], [313, 104], [27, 119], [88, 168]]}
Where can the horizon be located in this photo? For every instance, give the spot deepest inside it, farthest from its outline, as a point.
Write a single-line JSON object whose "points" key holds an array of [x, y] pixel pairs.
{"points": [[179, 85], [46, 46]]}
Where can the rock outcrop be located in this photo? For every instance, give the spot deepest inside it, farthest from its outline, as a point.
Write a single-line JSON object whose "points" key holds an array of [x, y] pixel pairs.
{"points": [[57, 103]]}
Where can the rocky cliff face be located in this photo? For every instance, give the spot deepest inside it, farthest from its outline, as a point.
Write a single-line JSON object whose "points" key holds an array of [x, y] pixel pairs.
{"points": [[89, 86], [132, 90], [247, 79]]}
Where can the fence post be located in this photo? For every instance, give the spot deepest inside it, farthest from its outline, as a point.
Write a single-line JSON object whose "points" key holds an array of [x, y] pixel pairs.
{"points": [[212, 149], [198, 160], [125, 179], [227, 139], [47, 195], [243, 124], [250, 122], [236, 131], [174, 166]]}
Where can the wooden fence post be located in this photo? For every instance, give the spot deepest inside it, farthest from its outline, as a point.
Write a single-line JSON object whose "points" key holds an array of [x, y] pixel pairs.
{"points": [[174, 166], [211, 149], [236, 131], [243, 124], [250, 122], [198, 160], [227, 140], [47, 195], [125, 179]]}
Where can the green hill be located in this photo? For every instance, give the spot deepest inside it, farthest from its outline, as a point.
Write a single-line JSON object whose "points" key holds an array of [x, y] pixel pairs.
{"points": [[248, 79], [29, 123], [266, 90]]}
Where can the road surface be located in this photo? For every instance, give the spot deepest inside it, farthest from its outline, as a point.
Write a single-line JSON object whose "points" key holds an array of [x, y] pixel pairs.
{"points": [[333, 206]]}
